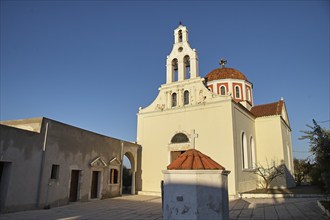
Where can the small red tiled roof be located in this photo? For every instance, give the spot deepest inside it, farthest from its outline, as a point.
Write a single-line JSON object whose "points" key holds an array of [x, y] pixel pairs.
{"points": [[194, 160], [274, 108], [225, 73]]}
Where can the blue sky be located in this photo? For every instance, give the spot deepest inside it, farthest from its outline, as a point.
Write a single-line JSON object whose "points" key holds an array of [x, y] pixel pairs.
{"points": [[92, 64]]}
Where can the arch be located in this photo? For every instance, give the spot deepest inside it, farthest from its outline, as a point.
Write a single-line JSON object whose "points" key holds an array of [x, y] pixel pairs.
{"points": [[180, 36], [222, 90], [175, 69], [186, 97], [128, 174], [179, 138], [245, 159], [174, 99], [253, 153], [237, 92], [186, 61]]}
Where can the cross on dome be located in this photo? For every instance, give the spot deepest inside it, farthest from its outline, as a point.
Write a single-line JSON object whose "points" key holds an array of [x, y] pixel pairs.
{"points": [[222, 62]]}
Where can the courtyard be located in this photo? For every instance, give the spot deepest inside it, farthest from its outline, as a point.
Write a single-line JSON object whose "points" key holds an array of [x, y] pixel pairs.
{"points": [[149, 207]]}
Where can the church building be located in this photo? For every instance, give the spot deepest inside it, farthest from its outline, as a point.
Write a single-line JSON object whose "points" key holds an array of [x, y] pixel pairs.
{"points": [[216, 115]]}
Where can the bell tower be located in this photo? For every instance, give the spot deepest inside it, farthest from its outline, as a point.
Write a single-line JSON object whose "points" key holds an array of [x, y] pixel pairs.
{"points": [[182, 63]]}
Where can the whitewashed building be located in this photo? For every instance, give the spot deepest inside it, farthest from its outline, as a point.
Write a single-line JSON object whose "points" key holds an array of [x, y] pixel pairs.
{"points": [[216, 115]]}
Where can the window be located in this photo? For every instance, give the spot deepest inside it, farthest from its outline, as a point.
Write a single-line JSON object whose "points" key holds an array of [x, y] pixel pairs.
{"points": [[237, 92], [174, 100], [55, 171], [222, 90], [186, 97], [175, 69], [113, 176], [179, 138], [186, 61], [180, 35], [289, 156], [244, 152], [248, 91], [253, 153]]}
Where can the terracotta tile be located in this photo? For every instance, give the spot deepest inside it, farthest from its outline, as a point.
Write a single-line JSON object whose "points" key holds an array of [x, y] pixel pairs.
{"points": [[194, 160], [274, 108], [225, 73]]}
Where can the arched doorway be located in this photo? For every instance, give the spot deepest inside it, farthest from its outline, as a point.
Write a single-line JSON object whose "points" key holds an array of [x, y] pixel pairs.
{"points": [[128, 177]]}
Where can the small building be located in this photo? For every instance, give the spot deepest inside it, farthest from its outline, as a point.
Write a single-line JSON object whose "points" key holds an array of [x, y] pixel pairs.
{"points": [[195, 187], [45, 163]]}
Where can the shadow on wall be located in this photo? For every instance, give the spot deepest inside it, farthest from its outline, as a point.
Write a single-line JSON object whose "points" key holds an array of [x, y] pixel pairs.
{"points": [[274, 177], [189, 201]]}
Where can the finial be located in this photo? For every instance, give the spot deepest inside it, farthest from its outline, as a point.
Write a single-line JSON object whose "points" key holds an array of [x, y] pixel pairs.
{"points": [[223, 62], [180, 23]]}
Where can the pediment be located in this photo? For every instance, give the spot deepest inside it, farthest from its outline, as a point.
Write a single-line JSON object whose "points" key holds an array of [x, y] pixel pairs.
{"points": [[98, 162], [115, 162]]}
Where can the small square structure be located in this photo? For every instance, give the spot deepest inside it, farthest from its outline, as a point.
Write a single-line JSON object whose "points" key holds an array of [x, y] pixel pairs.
{"points": [[195, 187]]}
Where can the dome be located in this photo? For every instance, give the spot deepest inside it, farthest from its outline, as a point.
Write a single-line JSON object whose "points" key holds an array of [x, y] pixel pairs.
{"points": [[225, 73]]}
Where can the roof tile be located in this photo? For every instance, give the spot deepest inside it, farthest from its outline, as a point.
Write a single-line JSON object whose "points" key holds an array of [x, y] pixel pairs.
{"points": [[194, 160], [274, 108], [225, 73]]}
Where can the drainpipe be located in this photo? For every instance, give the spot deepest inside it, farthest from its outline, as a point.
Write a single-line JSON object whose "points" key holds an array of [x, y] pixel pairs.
{"points": [[42, 165]]}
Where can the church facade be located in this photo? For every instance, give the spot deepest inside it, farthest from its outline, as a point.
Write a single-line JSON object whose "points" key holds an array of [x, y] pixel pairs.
{"points": [[216, 115]]}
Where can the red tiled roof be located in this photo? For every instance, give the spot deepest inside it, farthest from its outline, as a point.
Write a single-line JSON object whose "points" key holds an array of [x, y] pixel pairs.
{"points": [[225, 73], [194, 160], [274, 108]]}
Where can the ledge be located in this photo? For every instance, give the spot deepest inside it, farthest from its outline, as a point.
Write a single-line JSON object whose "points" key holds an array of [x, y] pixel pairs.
{"points": [[279, 195]]}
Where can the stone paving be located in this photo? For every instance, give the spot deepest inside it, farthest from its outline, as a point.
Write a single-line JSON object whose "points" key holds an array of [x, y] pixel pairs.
{"points": [[276, 208], [149, 207]]}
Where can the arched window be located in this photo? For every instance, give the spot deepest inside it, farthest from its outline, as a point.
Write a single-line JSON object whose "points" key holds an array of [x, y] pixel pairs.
{"points": [[253, 153], [248, 91], [288, 156], [174, 100], [222, 90], [175, 69], [186, 97], [186, 61], [244, 152], [180, 35], [237, 92], [179, 138]]}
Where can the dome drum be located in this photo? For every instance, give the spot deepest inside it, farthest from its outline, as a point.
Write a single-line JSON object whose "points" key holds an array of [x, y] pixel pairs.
{"points": [[229, 81]]}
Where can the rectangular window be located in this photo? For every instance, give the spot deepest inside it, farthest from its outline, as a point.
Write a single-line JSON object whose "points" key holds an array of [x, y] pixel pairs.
{"points": [[55, 171], [113, 176]]}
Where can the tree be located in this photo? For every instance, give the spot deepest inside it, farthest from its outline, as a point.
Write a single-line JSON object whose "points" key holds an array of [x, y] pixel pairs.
{"points": [[127, 177], [319, 141], [269, 173], [301, 170]]}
